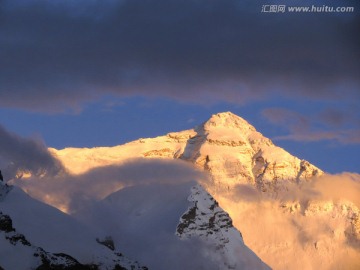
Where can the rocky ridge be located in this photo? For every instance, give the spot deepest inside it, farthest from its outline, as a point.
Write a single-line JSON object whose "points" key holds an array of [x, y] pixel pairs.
{"points": [[206, 220]]}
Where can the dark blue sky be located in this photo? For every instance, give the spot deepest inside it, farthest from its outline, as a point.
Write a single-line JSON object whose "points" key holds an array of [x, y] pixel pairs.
{"points": [[101, 73]]}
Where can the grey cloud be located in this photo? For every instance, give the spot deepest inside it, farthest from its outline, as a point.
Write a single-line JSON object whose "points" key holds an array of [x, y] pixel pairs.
{"points": [[57, 54], [18, 154], [341, 125], [333, 117], [339, 118], [284, 117], [344, 137]]}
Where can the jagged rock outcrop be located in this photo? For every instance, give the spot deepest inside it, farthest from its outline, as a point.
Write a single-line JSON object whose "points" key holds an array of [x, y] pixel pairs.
{"points": [[205, 220], [4, 189]]}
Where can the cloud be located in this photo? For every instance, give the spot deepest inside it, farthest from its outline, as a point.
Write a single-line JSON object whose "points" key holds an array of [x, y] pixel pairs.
{"points": [[340, 125], [344, 186], [190, 120], [73, 192], [57, 55], [23, 155], [142, 220], [344, 137], [313, 220], [284, 117], [334, 117], [152, 214]]}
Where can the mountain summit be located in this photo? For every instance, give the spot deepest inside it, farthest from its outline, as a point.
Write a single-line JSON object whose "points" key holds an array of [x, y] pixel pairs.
{"points": [[230, 120], [234, 152]]}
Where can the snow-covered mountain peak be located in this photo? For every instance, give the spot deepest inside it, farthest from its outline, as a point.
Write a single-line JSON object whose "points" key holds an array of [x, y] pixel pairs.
{"points": [[231, 130], [234, 152], [226, 145], [227, 120]]}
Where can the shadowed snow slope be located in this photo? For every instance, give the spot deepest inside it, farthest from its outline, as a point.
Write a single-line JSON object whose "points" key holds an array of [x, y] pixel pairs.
{"points": [[33, 234]]}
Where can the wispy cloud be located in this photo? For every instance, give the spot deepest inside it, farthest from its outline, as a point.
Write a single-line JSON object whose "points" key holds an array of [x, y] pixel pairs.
{"points": [[334, 187], [342, 126], [345, 137], [335, 117], [68, 192]]}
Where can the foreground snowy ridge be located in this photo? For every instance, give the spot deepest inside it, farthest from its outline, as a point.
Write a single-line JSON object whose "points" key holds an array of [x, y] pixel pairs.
{"points": [[18, 253], [41, 259]]}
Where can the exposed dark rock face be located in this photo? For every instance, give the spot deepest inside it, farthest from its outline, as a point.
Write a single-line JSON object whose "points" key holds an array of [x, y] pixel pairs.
{"points": [[4, 189], [107, 242], [59, 261], [205, 217], [6, 223], [16, 238], [186, 220], [208, 222]]}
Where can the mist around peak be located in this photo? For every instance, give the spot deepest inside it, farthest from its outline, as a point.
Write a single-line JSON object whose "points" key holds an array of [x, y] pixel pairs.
{"points": [[314, 225]]}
